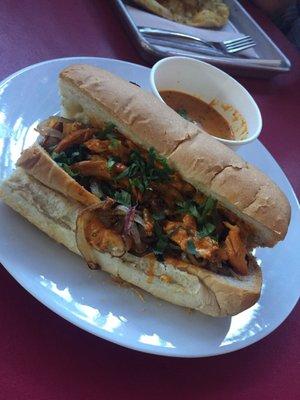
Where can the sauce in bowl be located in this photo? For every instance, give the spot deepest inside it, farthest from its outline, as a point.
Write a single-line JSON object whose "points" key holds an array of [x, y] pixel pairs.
{"points": [[196, 110]]}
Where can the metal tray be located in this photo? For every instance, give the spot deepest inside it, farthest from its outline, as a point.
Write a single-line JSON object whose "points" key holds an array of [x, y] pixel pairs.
{"points": [[241, 21]]}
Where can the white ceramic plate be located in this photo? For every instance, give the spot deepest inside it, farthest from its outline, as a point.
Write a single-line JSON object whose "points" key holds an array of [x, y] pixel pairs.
{"points": [[89, 299]]}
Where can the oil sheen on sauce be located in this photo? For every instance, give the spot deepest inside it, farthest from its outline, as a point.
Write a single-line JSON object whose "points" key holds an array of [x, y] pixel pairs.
{"points": [[196, 110]]}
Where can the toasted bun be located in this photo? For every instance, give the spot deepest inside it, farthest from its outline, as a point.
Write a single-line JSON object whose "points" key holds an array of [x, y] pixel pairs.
{"points": [[92, 95], [187, 285], [36, 161]]}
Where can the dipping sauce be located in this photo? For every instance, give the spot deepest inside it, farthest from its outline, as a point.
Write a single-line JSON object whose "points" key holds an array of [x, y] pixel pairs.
{"points": [[196, 110]]}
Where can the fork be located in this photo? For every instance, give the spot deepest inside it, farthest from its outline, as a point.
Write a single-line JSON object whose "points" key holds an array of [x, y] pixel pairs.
{"points": [[229, 46]]}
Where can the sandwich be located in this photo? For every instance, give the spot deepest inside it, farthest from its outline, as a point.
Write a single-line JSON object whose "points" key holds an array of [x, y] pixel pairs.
{"points": [[147, 196]]}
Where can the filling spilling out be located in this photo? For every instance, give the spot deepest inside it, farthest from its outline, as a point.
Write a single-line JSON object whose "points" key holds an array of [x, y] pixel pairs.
{"points": [[146, 208]]}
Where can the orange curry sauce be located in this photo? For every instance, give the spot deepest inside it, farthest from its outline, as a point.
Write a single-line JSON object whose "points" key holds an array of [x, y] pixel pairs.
{"points": [[198, 111]]}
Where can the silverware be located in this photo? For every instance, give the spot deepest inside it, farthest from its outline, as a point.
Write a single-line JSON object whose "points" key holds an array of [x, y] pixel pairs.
{"points": [[227, 46], [192, 47]]}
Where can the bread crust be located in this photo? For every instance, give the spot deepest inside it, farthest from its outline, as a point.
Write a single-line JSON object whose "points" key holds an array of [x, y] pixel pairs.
{"points": [[188, 286], [92, 95], [36, 161]]}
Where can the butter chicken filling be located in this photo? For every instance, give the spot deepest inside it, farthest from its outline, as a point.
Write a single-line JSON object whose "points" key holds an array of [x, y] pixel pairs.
{"points": [[145, 206]]}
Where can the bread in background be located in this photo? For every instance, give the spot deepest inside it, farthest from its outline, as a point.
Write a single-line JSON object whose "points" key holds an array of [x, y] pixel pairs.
{"points": [[201, 13]]}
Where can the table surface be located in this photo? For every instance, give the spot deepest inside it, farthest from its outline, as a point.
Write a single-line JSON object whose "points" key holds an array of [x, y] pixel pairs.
{"points": [[45, 357]]}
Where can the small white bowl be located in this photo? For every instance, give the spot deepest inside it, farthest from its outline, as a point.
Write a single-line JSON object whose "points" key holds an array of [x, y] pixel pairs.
{"points": [[213, 86]]}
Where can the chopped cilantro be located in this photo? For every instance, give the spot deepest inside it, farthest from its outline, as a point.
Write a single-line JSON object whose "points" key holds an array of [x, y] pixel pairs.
{"points": [[209, 206], [72, 155], [123, 197], [189, 207], [65, 159], [183, 113], [162, 242], [141, 172], [205, 214], [109, 132], [114, 143], [59, 157], [160, 246], [110, 127], [111, 162], [206, 230], [154, 156], [158, 216], [136, 183], [67, 169], [128, 172], [191, 248], [100, 135]]}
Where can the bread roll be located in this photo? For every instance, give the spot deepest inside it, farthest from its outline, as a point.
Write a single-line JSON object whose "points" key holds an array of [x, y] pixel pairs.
{"points": [[186, 285], [93, 95]]}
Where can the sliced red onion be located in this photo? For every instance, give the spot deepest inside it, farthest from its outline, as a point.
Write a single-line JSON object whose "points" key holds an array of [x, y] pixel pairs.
{"points": [[129, 220], [134, 232], [45, 130], [125, 210], [128, 242], [95, 189], [50, 132], [140, 247], [86, 250]]}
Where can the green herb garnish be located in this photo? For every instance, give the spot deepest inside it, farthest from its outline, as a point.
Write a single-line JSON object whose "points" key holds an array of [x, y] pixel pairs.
{"points": [[114, 143], [67, 169], [191, 248], [109, 132], [155, 157], [72, 155], [158, 216], [111, 162], [206, 230], [123, 197], [136, 183], [162, 243], [183, 113], [209, 206], [65, 159], [189, 207], [110, 129], [205, 215], [141, 172]]}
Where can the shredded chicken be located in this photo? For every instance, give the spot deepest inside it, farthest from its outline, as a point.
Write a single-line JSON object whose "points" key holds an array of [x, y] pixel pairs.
{"points": [[183, 187], [97, 168], [206, 247], [149, 223], [77, 137], [104, 239], [170, 193], [70, 127], [149, 186], [116, 148], [189, 222], [236, 249], [97, 146]]}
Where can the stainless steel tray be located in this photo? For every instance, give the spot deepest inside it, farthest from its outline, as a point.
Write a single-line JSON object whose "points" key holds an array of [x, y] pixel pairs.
{"points": [[241, 21]]}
